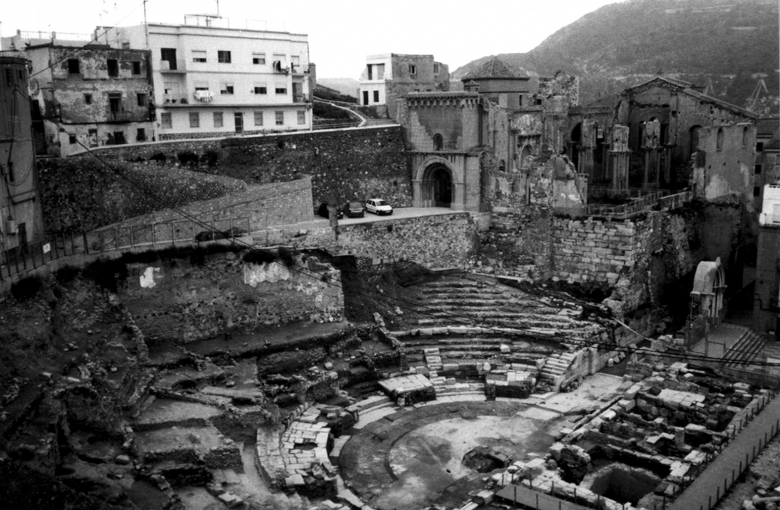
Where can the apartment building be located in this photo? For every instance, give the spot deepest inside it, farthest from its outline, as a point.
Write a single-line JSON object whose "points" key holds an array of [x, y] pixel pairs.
{"points": [[388, 77], [214, 81], [21, 221]]}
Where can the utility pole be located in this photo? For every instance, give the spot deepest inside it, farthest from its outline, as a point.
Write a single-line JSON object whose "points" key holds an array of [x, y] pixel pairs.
{"points": [[146, 28]]}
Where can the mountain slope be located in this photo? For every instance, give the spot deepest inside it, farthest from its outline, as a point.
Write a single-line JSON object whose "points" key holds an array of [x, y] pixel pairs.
{"points": [[728, 42]]}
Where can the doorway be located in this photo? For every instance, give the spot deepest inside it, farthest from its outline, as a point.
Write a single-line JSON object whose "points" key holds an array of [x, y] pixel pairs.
{"points": [[437, 189], [239, 121]]}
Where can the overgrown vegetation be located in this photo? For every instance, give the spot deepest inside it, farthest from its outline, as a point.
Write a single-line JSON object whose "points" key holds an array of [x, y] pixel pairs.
{"points": [[328, 111], [332, 95], [260, 256], [26, 288]]}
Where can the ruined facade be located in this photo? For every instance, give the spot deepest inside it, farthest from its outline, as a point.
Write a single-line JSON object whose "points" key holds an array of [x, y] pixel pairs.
{"points": [[85, 97], [212, 81], [766, 302], [484, 146], [388, 77], [20, 206], [767, 165]]}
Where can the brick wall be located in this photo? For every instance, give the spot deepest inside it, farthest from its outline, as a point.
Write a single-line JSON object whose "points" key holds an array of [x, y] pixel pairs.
{"points": [[347, 164]]}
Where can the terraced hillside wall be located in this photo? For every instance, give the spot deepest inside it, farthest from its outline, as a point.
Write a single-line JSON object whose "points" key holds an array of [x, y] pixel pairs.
{"points": [[352, 164]]}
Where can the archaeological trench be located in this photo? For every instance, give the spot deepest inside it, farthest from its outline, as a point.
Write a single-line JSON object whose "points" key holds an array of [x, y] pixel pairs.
{"points": [[218, 376]]}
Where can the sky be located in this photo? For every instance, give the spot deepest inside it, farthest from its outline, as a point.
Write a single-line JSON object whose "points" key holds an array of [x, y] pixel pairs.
{"points": [[341, 32]]}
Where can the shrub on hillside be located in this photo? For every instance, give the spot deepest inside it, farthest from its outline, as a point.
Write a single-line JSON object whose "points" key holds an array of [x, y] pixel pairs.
{"points": [[26, 288]]}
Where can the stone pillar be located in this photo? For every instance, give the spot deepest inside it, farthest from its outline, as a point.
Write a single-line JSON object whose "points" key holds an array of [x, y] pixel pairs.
{"points": [[618, 162], [417, 198]]}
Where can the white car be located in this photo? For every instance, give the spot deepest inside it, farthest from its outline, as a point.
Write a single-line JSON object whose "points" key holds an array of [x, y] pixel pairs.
{"points": [[378, 206]]}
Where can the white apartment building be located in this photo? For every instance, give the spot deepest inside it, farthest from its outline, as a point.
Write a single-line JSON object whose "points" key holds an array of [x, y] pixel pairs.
{"points": [[213, 81]]}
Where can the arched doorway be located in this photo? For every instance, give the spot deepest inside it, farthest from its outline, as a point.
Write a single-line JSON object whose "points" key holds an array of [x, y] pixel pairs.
{"points": [[437, 189]]}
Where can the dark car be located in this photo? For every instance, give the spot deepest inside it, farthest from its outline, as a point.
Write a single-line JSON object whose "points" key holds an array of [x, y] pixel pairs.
{"points": [[322, 210], [353, 209]]}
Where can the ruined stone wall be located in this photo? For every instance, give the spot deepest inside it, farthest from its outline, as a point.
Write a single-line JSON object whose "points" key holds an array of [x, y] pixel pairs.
{"points": [[348, 165], [187, 301], [725, 163]]}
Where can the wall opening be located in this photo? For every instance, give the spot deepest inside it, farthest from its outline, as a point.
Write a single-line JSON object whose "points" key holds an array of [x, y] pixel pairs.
{"points": [[437, 189], [622, 483]]}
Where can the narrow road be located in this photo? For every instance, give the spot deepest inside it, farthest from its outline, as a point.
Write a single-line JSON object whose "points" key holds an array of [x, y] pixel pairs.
{"points": [[705, 491]]}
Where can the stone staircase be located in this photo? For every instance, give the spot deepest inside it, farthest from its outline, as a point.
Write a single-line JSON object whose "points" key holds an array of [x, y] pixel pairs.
{"points": [[449, 387], [433, 352], [555, 366], [749, 347]]}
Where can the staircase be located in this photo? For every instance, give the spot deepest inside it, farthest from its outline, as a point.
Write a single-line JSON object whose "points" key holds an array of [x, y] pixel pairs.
{"points": [[555, 367], [749, 347]]}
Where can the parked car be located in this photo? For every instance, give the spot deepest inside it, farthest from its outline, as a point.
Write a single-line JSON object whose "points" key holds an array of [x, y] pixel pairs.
{"points": [[322, 210], [353, 210], [378, 206]]}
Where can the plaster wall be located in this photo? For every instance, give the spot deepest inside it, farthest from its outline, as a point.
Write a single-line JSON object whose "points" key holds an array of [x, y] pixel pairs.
{"points": [[725, 167]]}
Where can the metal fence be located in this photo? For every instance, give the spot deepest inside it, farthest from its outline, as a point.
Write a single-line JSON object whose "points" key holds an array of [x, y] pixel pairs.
{"points": [[644, 203], [151, 236]]}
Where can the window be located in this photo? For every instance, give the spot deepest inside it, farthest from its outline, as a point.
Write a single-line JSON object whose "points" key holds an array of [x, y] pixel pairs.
{"points": [[759, 146], [280, 118], [226, 88], [757, 191], [538, 102], [719, 140], [435, 68], [140, 135], [119, 138], [412, 69], [194, 120], [125, 45], [168, 55], [223, 57], [199, 56], [258, 58], [9, 77], [201, 85], [258, 118], [301, 117], [295, 62], [280, 90], [438, 142], [72, 139], [141, 98], [73, 66], [115, 103], [165, 121], [87, 98], [520, 100], [376, 96], [260, 89], [11, 173], [113, 68], [218, 121], [758, 169], [136, 67]]}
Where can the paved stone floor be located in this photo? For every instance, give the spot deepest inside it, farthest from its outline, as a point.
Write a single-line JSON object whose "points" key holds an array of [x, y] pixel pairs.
{"points": [[412, 458]]}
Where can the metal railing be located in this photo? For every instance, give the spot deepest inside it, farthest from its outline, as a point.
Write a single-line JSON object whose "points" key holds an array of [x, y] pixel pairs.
{"points": [[152, 236], [644, 203]]}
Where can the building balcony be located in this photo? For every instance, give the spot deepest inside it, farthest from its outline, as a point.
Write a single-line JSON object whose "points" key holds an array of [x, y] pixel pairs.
{"points": [[177, 66]]}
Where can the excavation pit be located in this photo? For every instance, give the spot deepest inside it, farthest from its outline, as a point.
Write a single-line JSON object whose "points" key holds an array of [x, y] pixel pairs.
{"points": [[621, 483]]}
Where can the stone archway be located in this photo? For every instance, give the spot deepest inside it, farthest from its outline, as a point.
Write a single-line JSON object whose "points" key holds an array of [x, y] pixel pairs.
{"points": [[437, 188]]}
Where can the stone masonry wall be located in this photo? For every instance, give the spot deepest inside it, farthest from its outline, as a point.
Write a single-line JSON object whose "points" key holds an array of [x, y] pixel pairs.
{"points": [[597, 251], [447, 240], [353, 164]]}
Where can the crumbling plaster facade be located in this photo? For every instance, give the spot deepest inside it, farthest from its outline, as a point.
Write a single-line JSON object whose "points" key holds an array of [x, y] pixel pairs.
{"points": [[91, 97], [20, 206]]}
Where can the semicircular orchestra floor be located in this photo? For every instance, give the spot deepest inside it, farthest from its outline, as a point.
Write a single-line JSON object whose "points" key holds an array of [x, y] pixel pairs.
{"points": [[413, 458]]}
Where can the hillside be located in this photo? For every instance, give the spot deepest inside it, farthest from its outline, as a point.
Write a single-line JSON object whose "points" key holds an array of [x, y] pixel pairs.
{"points": [[346, 86], [730, 43]]}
